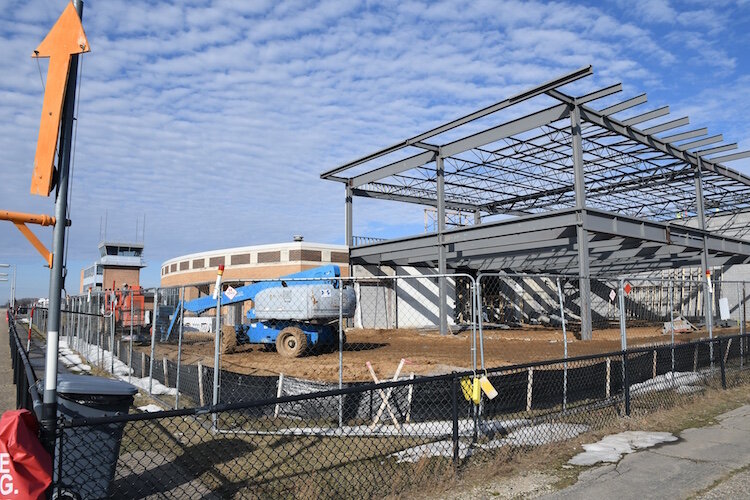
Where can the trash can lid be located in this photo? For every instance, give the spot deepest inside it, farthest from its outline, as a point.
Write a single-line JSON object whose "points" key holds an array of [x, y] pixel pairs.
{"points": [[88, 384]]}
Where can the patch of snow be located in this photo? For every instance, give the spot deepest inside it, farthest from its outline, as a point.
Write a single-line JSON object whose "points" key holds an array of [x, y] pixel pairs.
{"points": [[70, 359], [611, 448], [665, 381], [150, 408], [532, 435], [121, 371], [539, 434], [156, 387]]}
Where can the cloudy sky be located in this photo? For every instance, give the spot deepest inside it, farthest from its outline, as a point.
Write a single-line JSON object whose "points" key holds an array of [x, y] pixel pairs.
{"points": [[214, 119]]}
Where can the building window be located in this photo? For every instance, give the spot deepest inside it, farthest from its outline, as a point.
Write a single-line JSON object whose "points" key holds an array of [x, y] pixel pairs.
{"points": [[173, 268], [306, 255], [243, 258], [184, 265], [266, 257], [199, 263], [216, 261]]}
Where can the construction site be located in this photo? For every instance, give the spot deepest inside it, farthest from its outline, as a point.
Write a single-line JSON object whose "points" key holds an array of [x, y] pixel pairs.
{"points": [[565, 205], [585, 256]]}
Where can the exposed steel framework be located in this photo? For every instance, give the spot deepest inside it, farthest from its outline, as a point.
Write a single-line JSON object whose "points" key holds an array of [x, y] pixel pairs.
{"points": [[585, 188]]}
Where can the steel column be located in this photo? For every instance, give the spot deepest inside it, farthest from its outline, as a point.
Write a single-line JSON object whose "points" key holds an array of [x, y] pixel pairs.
{"points": [[348, 217], [701, 209], [582, 236], [442, 266]]}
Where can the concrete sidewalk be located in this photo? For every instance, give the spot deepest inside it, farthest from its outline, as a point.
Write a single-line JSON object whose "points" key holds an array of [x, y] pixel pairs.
{"points": [[710, 462], [7, 389]]}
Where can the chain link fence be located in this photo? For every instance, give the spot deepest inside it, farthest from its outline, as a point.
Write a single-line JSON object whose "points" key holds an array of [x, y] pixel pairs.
{"points": [[378, 328], [257, 427], [396, 437]]}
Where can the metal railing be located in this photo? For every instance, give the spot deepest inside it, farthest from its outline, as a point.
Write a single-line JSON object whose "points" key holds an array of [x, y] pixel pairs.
{"points": [[24, 377]]}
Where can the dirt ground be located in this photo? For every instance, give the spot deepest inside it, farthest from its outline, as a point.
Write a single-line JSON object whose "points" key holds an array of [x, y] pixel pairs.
{"points": [[427, 352]]}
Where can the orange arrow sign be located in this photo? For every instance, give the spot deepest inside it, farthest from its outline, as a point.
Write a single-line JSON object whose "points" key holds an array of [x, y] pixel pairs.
{"points": [[64, 39]]}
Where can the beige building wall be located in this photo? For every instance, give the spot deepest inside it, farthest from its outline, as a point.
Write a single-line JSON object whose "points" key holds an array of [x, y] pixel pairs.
{"points": [[253, 263]]}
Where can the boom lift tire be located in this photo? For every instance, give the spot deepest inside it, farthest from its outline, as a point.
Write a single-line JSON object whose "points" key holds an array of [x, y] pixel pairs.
{"points": [[291, 342]]}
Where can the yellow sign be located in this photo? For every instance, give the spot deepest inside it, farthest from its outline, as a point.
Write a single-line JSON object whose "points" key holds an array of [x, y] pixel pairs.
{"points": [[64, 39]]}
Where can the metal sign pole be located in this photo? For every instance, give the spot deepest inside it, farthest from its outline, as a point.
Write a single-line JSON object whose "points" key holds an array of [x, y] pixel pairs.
{"points": [[57, 276]]}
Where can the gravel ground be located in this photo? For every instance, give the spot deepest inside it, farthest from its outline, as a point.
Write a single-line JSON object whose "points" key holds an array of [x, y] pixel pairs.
{"points": [[736, 486]]}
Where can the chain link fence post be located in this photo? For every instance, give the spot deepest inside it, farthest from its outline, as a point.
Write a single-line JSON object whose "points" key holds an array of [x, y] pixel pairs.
{"points": [[179, 351], [341, 350], [722, 363], [671, 326], [454, 417], [565, 345], [154, 333], [623, 347]]}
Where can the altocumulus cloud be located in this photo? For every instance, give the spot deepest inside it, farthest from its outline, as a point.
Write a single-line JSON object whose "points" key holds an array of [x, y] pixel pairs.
{"points": [[215, 118]]}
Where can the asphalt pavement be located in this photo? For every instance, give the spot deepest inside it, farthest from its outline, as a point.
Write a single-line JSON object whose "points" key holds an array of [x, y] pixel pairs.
{"points": [[708, 462], [7, 389]]}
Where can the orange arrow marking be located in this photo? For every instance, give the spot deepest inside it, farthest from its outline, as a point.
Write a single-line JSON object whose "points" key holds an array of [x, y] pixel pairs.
{"points": [[64, 39]]}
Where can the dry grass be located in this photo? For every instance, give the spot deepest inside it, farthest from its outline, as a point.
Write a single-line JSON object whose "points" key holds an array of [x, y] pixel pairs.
{"points": [[505, 464]]}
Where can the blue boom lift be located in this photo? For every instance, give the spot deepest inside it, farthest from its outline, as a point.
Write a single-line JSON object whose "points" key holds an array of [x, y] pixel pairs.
{"points": [[295, 313]]}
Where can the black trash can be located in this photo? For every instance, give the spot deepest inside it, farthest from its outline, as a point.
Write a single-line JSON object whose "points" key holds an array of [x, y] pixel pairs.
{"points": [[90, 453]]}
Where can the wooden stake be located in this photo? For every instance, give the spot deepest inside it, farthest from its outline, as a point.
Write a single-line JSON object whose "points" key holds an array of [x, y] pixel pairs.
{"points": [[695, 359], [143, 365], [409, 397], [654, 364], [166, 372], [201, 397], [726, 354], [279, 392], [609, 373], [529, 389]]}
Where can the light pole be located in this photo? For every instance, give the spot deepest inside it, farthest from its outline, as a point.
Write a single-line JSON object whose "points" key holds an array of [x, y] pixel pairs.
{"points": [[4, 277]]}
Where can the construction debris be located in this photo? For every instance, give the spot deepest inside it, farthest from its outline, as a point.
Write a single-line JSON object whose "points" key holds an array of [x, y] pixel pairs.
{"points": [[680, 325]]}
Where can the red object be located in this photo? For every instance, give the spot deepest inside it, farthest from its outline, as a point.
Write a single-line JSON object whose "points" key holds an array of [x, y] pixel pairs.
{"points": [[25, 466], [31, 319], [627, 288]]}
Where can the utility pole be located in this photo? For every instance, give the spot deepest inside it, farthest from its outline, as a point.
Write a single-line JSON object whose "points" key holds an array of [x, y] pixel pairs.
{"points": [[57, 275], [4, 277]]}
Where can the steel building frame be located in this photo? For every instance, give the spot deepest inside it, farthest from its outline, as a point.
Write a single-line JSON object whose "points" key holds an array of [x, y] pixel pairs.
{"points": [[578, 188]]}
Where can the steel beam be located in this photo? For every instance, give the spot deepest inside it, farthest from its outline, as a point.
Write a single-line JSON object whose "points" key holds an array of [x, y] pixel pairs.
{"points": [[598, 94], [393, 168], [646, 116], [701, 142], [412, 199], [718, 149], [622, 106], [509, 129], [528, 94], [735, 156], [662, 127], [618, 127], [683, 135]]}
